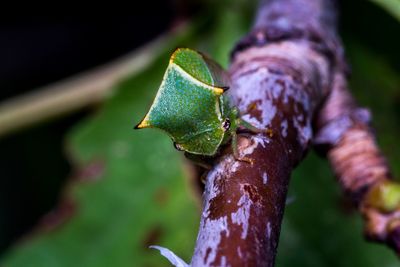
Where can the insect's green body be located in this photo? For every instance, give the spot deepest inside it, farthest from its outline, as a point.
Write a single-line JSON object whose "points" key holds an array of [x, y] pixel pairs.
{"points": [[191, 106]]}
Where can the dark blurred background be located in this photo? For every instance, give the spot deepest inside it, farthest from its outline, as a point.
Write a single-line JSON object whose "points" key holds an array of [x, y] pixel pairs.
{"points": [[42, 47]]}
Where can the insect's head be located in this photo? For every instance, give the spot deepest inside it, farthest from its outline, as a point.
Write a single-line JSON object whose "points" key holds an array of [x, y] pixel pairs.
{"points": [[226, 124]]}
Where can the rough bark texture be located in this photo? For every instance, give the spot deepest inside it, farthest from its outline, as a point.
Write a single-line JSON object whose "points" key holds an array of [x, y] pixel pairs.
{"points": [[344, 135], [289, 76], [280, 73]]}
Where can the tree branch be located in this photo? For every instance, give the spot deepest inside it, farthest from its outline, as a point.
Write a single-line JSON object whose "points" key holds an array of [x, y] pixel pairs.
{"points": [[344, 134], [281, 73]]}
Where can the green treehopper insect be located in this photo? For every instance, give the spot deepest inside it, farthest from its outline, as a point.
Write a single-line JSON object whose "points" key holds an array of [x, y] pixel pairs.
{"points": [[191, 107]]}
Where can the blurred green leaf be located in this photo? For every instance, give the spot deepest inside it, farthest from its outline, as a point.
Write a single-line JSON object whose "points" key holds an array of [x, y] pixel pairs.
{"points": [[139, 199], [391, 6]]}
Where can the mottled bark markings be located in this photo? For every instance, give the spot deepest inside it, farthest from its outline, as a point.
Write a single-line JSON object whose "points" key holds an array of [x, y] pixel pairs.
{"points": [[244, 203], [288, 73], [290, 68]]}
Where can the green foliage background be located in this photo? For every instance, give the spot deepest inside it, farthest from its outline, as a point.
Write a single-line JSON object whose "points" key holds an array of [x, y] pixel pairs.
{"points": [[141, 195]]}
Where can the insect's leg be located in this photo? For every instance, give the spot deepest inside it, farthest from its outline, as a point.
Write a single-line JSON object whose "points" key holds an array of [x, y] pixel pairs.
{"points": [[202, 164], [254, 129], [203, 177], [236, 151]]}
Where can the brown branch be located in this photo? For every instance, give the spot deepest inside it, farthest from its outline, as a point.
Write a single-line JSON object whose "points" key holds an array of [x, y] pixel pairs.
{"points": [[361, 169], [281, 73], [288, 72]]}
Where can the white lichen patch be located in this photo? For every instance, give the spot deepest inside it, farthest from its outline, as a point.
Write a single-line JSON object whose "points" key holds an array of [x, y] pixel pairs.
{"points": [[211, 189], [242, 215], [239, 252], [284, 128], [304, 132], [265, 178], [223, 262], [255, 142], [235, 165], [227, 163], [300, 117], [269, 109], [252, 120], [208, 241], [269, 230], [276, 89]]}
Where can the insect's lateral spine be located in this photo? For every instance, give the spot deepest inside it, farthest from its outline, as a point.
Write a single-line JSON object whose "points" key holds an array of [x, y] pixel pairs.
{"points": [[142, 124]]}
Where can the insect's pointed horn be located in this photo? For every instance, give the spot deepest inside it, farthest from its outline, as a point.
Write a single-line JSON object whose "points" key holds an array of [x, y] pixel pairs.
{"points": [[142, 124]]}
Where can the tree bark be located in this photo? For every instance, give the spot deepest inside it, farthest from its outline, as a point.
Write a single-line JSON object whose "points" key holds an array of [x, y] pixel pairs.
{"points": [[347, 140], [289, 76], [280, 74]]}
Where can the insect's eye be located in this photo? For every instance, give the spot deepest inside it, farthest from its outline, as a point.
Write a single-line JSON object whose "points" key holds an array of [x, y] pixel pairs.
{"points": [[226, 124], [178, 147]]}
